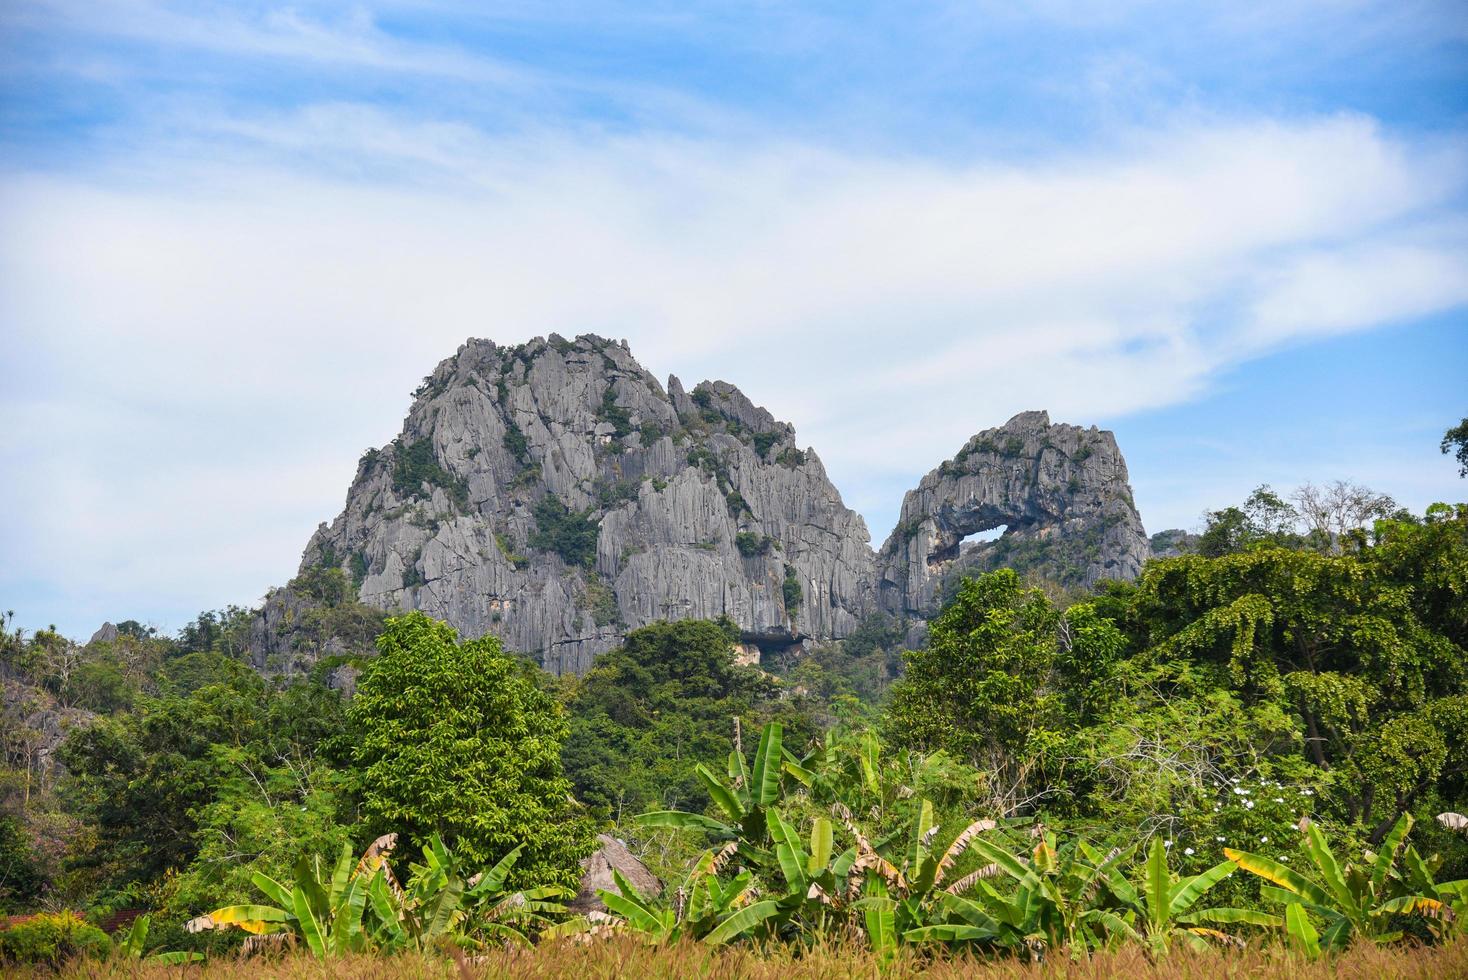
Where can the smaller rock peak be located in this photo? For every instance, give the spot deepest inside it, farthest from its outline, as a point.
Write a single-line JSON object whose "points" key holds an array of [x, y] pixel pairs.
{"points": [[1029, 420], [682, 404], [731, 403]]}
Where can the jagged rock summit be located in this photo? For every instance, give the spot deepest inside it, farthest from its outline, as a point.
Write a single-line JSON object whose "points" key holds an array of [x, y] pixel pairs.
{"points": [[555, 494], [1060, 493]]}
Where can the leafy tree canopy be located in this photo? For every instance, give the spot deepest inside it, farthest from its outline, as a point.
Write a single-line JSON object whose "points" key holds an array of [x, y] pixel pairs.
{"points": [[1455, 441], [457, 739], [651, 710]]}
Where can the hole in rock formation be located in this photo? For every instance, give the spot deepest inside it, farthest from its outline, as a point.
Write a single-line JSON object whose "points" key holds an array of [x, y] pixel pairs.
{"points": [[982, 537]]}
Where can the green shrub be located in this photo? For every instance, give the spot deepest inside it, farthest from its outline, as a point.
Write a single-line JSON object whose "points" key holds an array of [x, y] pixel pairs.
{"points": [[764, 440], [508, 550], [706, 410], [360, 569], [791, 457], [52, 938], [570, 534], [327, 584], [611, 493], [416, 465], [751, 543], [21, 877], [601, 602], [619, 417], [791, 591], [704, 458], [515, 443]]}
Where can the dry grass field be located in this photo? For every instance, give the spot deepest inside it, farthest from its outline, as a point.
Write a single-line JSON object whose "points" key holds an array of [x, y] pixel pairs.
{"points": [[627, 958]]}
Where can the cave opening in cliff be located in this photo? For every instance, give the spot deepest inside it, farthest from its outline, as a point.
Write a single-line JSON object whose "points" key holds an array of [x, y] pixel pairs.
{"points": [[983, 537], [968, 542]]}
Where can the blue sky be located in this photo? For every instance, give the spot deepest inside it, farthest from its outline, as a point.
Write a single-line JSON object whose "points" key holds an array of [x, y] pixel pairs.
{"points": [[234, 236]]}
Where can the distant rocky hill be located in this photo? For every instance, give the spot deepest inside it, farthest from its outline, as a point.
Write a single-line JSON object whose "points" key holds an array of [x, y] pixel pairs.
{"points": [[556, 495], [1059, 491]]}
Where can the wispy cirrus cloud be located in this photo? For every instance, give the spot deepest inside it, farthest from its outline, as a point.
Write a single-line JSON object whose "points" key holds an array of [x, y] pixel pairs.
{"points": [[331, 36]]}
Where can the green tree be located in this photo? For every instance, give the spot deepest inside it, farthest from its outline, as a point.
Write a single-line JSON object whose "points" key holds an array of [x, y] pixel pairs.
{"points": [[1264, 518], [1334, 639], [791, 592], [198, 783], [1455, 441], [846, 680], [1002, 673], [101, 683], [225, 631], [21, 879], [327, 585], [457, 739], [648, 712]]}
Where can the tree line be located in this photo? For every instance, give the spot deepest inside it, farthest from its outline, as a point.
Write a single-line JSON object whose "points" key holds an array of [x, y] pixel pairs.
{"points": [[1278, 701]]}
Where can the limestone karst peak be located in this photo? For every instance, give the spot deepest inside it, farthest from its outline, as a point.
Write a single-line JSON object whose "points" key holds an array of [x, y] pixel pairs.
{"points": [[555, 494]]}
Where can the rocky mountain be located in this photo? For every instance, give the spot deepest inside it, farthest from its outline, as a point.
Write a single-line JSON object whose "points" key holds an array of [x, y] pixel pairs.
{"points": [[556, 494], [1060, 493]]}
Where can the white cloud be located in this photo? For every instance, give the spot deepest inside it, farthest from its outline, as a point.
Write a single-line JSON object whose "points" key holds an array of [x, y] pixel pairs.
{"points": [[1359, 286], [211, 343], [350, 39]]}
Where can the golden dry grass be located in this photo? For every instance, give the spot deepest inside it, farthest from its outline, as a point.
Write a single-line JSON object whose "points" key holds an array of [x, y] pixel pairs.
{"points": [[624, 958]]}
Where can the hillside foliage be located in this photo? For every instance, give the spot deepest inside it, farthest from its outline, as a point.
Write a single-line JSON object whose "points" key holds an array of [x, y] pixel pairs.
{"points": [[1261, 740]]}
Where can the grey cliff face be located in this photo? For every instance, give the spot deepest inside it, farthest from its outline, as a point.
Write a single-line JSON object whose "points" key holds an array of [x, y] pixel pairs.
{"points": [[556, 495], [700, 504], [1060, 492]]}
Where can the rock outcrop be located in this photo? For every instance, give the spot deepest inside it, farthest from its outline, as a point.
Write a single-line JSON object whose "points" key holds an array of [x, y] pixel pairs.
{"points": [[1059, 492], [556, 495], [596, 875]]}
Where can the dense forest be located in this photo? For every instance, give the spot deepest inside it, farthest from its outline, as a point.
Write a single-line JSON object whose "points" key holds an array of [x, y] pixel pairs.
{"points": [[1263, 738]]}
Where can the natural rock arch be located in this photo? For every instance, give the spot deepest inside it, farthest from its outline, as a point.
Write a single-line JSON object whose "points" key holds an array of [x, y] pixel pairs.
{"points": [[1061, 491]]}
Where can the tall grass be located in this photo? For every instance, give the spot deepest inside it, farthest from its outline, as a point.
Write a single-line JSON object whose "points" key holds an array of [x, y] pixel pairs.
{"points": [[624, 957]]}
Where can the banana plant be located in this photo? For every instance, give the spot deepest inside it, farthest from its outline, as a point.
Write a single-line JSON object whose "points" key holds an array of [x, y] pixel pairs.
{"points": [[906, 894], [439, 903], [1354, 901], [841, 768], [815, 875], [708, 909], [1157, 910], [806, 885], [1055, 889], [744, 798], [1444, 905], [323, 907], [133, 945], [1452, 917], [1055, 902]]}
